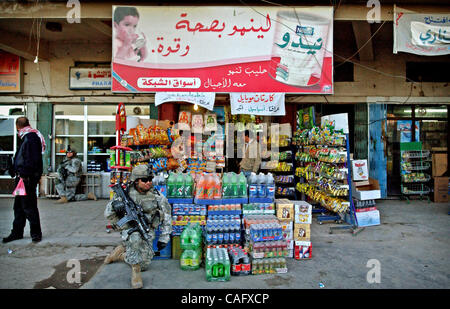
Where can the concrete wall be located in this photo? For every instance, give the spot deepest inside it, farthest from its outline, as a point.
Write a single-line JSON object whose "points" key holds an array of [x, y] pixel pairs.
{"points": [[52, 78]]}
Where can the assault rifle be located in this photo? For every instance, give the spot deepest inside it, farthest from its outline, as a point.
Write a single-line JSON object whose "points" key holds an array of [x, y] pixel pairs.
{"points": [[132, 213]]}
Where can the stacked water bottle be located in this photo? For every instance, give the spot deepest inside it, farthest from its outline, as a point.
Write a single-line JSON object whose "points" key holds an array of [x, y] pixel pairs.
{"points": [[264, 238], [261, 186], [223, 230], [217, 264]]}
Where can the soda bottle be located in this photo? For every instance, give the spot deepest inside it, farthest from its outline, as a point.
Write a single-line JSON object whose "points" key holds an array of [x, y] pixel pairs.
{"points": [[253, 188], [202, 187], [196, 259], [186, 259], [208, 187], [215, 233], [225, 185], [226, 233], [242, 185], [245, 263], [217, 188], [261, 189], [185, 237], [171, 185], [226, 266], [196, 236], [234, 185], [209, 233], [270, 186], [235, 263], [208, 264], [188, 185], [180, 186]]}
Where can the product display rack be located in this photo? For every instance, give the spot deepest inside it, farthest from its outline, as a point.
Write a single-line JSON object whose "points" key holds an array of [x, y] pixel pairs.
{"points": [[320, 176], [414, 164], [285, 179]]}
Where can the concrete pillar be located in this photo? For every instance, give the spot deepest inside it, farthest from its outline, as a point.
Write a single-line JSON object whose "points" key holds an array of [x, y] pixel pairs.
{"points": [[44, 125]]}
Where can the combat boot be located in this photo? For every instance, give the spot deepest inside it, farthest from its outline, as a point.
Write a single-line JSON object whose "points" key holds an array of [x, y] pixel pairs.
{"points": [[136, 278], [117, 255], [62, 200], [91, 196]]}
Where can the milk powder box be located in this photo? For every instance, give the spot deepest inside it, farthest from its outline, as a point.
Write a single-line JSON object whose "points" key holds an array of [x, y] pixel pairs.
{"points": [[285, 210], [303, 212], [302, 232]]}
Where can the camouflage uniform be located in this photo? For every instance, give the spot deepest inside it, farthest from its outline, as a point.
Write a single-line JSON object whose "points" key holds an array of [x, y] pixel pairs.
{"points": [[67, 186], [158, 211]]}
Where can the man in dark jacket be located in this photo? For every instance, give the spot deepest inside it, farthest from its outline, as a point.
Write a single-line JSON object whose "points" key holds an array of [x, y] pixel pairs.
{"points": [[28, 166]]}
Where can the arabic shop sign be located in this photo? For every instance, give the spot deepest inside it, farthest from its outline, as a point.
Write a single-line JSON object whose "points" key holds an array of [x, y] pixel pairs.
{"points": [[223, 49], [262, 104], [10, 73], [89, 78], [203, 99], [421, 34]]}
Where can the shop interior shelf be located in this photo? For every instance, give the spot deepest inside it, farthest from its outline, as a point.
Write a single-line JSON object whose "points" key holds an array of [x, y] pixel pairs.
{"points": [[414, 189], [415, 166], [417, 154]]}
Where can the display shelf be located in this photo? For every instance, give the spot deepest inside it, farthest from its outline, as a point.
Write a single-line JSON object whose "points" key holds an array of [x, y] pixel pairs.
{"points": [[414, 164], [173, 200], [221, 201], [322, 170], [264, 200]]}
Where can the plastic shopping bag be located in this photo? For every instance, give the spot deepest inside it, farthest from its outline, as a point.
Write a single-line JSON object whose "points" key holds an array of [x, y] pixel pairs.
{"points": [[20, 189]]}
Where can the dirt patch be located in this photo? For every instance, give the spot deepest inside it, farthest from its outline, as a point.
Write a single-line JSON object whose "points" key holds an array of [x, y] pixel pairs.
{"points": [[64, 276], [277, 281]]}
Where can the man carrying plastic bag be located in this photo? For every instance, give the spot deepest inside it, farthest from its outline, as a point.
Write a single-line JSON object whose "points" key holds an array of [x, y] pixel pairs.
{"points": [[28, 168]]}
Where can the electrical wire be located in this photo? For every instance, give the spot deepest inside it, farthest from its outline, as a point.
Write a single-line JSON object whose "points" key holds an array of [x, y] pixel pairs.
{"points": [[370, 39], [345, 59]]}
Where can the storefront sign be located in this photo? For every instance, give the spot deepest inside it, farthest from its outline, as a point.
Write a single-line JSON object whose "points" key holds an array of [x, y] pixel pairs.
{"points": [[421, 34], [223, 49], [203, 99], [262, 104], [89, 78], [10, 73]]}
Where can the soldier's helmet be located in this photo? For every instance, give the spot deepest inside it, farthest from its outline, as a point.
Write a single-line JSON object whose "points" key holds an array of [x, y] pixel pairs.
{"points": [[72, 150], [141, 171]]}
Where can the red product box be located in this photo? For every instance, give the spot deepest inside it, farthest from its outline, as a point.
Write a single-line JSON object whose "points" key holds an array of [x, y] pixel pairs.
{"points": [[365, 209], [302, 250]]}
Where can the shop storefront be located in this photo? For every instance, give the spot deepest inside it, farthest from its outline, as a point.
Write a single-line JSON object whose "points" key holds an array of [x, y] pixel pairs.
{"points": [[8, 143]]}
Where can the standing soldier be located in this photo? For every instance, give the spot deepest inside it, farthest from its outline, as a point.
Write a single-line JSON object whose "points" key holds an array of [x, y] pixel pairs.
{"points": [[135, 251], [69, 176]]}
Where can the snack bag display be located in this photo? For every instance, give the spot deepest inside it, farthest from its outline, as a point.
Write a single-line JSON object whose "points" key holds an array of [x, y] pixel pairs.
{"points": [[184, 120]]}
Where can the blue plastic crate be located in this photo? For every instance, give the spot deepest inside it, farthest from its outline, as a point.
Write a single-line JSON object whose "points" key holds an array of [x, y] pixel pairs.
{"points": [[180, 200], [242, 200], [266, 200]]}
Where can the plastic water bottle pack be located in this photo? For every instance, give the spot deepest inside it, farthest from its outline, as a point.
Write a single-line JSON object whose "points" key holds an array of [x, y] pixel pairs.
{"points": [[217, 264]]}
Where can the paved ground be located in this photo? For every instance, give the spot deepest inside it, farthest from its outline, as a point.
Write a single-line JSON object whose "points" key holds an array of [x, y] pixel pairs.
{"points": [[412, 246]]}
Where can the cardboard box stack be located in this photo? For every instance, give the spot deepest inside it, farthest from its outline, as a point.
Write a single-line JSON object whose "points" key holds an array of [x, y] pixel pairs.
{"points": [[365, 192], [285, 214], [439, 167], [302, 230]]}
